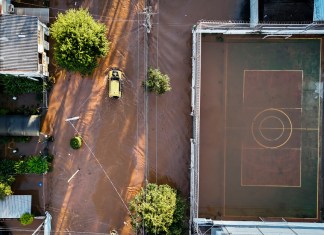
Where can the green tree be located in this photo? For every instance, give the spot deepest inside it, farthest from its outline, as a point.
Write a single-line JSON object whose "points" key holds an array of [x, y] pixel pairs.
{"points": [[156, 207], [37, 165], [178, 216], [80, 41], [26, 219], [157, 82], [5, 190]]}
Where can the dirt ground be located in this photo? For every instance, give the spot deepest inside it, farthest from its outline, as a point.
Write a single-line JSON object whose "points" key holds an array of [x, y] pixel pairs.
{"points": [[120, 136]]}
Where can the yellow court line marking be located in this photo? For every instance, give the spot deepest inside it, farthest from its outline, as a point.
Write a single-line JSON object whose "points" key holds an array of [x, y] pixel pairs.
{"points": [[255, 216], [279, 186], [274, 70], [269, 39], [311, 129], [276, 128], [274, 186], [301, 97], [256, 139], [272, 107], [243, 85], [259, 148]]}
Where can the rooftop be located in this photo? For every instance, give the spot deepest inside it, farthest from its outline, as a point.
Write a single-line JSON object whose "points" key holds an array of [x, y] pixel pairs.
{"points": [[18, 43]]}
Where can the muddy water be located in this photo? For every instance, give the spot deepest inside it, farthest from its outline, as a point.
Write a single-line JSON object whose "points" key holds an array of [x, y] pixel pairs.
{"points": [[112, 162], [170, 123]]}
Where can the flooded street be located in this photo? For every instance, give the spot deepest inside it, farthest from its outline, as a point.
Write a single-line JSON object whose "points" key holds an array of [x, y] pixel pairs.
{"points": [[124, 138]]}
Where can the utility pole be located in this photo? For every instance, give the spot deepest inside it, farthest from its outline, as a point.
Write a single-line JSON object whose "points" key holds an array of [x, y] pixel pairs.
{"points": [[148, 26], [148, 13]]}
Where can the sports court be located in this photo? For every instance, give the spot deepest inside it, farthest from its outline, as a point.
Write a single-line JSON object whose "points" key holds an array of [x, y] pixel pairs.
{"points": [[259, 127]]}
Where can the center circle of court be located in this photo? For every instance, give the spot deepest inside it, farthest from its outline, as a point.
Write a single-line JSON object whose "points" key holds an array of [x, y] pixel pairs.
{"points": [[273, 124], [271, 128]]}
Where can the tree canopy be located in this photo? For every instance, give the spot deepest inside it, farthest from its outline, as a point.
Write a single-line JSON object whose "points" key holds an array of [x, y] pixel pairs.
{"points": [[159, 208], [157, 82], [5, 190], [80, 41]]}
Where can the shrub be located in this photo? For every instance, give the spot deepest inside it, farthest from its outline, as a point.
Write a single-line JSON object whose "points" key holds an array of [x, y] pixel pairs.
{"points": [[26, 219], [7, 179], [4, 111], [159, 208], [5, 190], [30, 165], [7, 167], [24, 139], [14, 85], [21, 167], [157, 82], [4, 139], [76, 142], [37, 165], [178, 222]]}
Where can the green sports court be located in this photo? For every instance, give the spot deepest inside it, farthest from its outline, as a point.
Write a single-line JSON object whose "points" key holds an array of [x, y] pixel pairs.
{"points": [[260, 126]]}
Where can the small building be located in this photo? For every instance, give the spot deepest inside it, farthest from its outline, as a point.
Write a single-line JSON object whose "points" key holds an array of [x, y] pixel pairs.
{"points": [[6, 7], [259, 228], [23, 46], [14, 206], [318, 10]]}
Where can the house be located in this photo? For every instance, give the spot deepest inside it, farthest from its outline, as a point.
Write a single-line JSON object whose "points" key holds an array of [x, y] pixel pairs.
{"points": [[23, 46]]}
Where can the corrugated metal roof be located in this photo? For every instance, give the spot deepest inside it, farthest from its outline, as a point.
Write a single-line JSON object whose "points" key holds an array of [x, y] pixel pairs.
{"points": [[18, 43], [12, 207], [18, 125], [41, 13], [318, 10], [254, 13], [266, 228]]}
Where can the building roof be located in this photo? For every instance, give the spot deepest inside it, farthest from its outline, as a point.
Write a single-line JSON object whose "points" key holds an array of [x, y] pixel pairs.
{"points": [[12, 207], [266, 228], [18, 43], [41, 13], [318, 10], [18, 125]]}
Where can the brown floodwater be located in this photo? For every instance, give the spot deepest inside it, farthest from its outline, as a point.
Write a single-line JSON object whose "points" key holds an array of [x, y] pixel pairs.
{"points": [[124, 137]]}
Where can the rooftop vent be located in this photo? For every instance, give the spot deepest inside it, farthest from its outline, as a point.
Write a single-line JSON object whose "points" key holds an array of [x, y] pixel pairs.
{"points": [[11, 9]]}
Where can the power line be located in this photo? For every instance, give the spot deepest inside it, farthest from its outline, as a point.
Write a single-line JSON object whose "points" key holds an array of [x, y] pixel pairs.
{"points": [[106, 174], [99, 16]]}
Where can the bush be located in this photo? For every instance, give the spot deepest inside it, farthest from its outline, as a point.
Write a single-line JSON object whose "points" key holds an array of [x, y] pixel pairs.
{"points": [[30, 165], [76, 142], [79, 41], [178, 221], [14, 85], [37, 165], [160, 209], [4, 111], [157, 82], [7, 167], [24, 139], [4, 139], [21, 167], [5, 190], [26, 219]]}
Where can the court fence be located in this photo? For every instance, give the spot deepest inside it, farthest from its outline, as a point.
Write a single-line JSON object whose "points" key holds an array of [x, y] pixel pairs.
{"points": [[195, 112], [264, 29]]}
